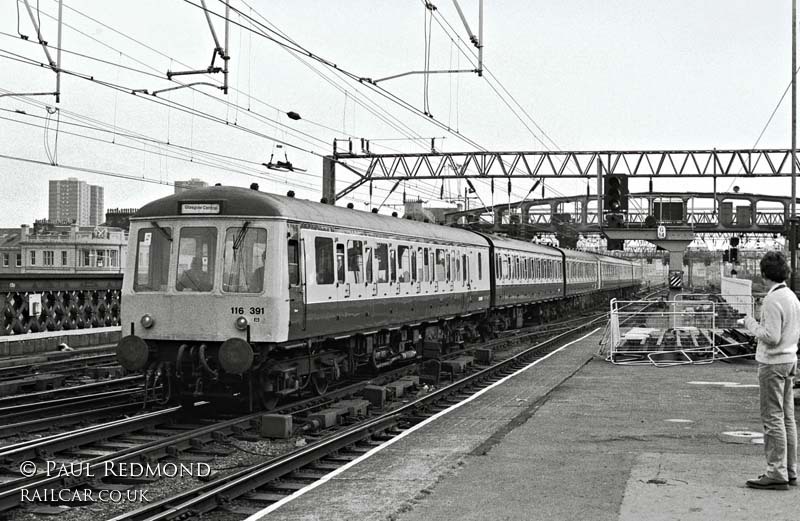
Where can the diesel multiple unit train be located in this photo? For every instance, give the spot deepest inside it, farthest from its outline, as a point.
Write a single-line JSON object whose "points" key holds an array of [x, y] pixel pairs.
{"points": [[235, 292]]}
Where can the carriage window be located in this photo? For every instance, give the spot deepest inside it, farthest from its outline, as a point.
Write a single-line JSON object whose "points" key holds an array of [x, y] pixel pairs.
{"points": [[457, 261], [441, 269], [293, 254], [152, 259], [413, 264], [480, 267], [426, 269], [464, 266], [243, 260], [323, 254], [355, 262], [506, 267], [448, 266], [382, 258], [405, 260], [340, 262], [393, 264], [368, 255], [196, 256]]}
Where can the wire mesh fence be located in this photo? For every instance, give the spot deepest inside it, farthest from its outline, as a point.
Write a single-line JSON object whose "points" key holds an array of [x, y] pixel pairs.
{"points": [[693, 329]]}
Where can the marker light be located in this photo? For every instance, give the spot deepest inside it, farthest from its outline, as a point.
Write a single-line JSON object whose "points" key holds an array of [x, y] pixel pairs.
{"points": [[241, 323], [147, 321]]}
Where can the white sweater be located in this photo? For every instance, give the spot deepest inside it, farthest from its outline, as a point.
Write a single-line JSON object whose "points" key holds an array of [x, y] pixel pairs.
{"points": [[779, 329]]}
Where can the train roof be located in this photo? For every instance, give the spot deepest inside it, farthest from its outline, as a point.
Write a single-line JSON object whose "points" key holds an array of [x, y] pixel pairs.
{"points": [[245, 202], [516, 244], [579, 254]]}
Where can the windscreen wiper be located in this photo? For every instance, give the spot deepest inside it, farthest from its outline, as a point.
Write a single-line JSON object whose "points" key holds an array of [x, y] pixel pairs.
{"points": [[240, 237], [162, 230]]}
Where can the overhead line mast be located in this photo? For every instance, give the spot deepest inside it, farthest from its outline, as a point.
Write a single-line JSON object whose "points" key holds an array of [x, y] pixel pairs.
{"points": [[55, 65]]}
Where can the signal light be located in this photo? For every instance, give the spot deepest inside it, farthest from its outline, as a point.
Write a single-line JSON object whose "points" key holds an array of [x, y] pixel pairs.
{"points": [[615, 193]]}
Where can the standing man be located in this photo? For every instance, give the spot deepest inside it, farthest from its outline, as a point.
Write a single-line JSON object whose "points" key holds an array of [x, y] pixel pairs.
{"points": [[776, 355]]}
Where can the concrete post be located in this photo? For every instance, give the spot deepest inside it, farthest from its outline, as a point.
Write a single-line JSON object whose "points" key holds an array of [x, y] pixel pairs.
{"points": [[329, 179]]}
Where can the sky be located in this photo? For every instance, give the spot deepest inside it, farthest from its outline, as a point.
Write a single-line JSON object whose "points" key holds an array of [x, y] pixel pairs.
{"points": [[590, 75]]}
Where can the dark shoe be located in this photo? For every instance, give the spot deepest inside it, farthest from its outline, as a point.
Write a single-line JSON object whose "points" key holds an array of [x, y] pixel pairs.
{"points": [[766, 483], [792, 482]]}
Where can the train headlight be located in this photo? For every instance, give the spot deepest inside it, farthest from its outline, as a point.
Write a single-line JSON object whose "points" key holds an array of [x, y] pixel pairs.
{"points": [[147, 321], [241, 323]]}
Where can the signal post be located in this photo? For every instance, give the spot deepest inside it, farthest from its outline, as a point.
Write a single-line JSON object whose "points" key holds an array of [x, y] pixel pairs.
{"points": [[674, 239]]}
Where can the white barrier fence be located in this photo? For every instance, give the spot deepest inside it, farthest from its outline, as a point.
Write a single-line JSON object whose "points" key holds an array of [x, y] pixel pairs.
{"points": [[686, 331]]}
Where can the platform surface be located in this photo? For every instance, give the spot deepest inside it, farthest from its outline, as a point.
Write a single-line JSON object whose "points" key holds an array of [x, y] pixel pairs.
{"points": [[572, 438]]}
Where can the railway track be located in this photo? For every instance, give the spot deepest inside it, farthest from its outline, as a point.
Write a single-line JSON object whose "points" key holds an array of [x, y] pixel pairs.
{"points": [[6, 402], [37, 376], [28, 418]]}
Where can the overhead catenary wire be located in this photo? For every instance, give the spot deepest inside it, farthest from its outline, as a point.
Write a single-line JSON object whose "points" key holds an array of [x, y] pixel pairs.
{"points": [[87, 170], [189, 110], [302, 135], [769, 120], [158, 75], [161, 153], [361, 80], [161, 101]]}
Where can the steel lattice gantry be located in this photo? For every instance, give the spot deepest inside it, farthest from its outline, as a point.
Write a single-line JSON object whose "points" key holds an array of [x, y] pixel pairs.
{"points": [[555, 164]]}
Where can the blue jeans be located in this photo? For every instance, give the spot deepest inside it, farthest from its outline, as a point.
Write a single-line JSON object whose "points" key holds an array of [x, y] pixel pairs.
{"points": [[775, 382]]}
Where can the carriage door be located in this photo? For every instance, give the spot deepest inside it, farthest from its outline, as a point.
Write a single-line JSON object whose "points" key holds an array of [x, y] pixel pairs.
{"points": [[297, 295]]}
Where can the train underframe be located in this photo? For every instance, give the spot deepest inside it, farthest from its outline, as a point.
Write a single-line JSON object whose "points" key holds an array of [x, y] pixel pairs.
{"points": [[187, 373]]}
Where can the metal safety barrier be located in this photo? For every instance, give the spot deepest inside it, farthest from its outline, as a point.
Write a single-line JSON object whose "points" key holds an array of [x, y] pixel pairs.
{"points": [[693, 329]]}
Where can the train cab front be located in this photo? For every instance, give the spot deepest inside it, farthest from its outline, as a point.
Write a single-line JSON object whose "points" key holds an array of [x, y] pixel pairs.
{"points": [[197, 306]]}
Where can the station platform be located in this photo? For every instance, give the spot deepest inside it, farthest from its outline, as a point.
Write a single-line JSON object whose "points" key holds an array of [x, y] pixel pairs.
{"points": [[572, 437]]}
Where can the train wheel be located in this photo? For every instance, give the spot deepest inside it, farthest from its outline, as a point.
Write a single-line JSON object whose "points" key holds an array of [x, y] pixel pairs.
{"points": [[320, 382], [268, 400]]}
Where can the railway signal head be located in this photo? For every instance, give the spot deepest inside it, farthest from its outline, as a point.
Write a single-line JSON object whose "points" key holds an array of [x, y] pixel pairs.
{"points": [[615, 193]]}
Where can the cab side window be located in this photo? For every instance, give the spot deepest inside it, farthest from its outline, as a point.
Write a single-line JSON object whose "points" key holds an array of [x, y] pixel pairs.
{"points": [[293, 254]]}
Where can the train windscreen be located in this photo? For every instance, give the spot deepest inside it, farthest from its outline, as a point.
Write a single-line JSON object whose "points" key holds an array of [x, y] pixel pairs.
{"points": [[196, 259], [152, 259], [243, 260]]}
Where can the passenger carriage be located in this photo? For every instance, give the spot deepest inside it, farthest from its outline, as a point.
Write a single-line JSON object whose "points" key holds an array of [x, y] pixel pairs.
{"points": [[582, 272]]}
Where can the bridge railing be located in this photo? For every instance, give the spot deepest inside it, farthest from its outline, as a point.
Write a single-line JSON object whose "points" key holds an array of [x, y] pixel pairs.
{"points": [[32, 303]]}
